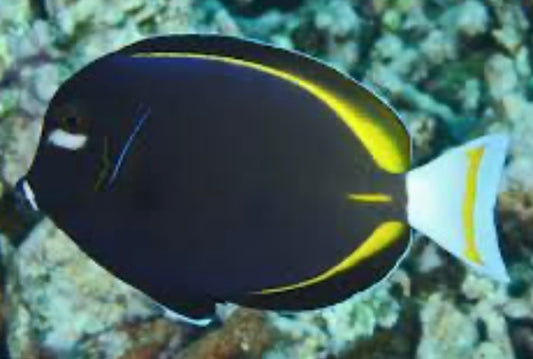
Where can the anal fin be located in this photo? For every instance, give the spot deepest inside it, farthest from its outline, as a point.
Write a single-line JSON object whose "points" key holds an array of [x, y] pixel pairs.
{"points": [[192, 310]]}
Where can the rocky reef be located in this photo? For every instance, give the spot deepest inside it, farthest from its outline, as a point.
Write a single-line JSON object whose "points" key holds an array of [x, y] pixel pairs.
{"points": [[454, 70]]}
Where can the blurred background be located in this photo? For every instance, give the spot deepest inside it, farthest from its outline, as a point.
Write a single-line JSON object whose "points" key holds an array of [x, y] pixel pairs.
{"points": [[453, 69]]}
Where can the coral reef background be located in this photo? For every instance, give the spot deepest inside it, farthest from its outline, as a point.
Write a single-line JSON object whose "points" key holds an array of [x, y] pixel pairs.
{"points": [[453, 69]]}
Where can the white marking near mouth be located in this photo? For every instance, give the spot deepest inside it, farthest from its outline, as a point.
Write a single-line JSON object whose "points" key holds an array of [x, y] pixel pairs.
{"points": [[30, 196], [69, 141]]}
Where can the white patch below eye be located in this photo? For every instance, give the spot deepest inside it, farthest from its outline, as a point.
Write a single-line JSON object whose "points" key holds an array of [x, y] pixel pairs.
{"points": [[30, 196], [67, 140]]}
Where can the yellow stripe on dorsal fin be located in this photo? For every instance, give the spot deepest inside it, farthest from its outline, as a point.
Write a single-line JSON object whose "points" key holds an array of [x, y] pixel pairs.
{"points": [[370, 197], [382, 237], [379, 139]]}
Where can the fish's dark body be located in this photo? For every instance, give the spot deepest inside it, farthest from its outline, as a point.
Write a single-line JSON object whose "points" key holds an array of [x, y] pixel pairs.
{"points": [[236, 181]]}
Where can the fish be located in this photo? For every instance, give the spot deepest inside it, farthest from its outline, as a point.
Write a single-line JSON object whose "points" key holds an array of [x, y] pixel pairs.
{"points": [[204, 169]]}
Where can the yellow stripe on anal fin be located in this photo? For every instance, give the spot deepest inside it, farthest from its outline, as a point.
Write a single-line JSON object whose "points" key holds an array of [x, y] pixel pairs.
{"points": [[384, 235], [370, 197], [474, 160], [385, 151]]}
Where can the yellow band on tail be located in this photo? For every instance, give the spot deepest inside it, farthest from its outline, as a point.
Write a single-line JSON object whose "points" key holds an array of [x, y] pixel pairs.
{"points": [[474, 159], [452, 200]]}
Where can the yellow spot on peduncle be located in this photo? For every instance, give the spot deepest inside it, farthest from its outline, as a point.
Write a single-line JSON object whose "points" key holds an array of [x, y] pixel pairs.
{"points": [[370, 197], [374, 137], [382, 237], [474, 160]]}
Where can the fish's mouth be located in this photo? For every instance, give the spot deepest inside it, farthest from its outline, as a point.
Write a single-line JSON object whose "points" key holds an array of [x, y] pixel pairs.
{"points": [[25, 194]]}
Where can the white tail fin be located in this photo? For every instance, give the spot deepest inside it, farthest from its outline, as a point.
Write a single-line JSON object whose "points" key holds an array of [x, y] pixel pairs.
{"points": [[452, 200]]}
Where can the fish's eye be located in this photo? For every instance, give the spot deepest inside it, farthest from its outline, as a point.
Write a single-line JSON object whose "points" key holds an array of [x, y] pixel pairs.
{"points": [[72, 123]]}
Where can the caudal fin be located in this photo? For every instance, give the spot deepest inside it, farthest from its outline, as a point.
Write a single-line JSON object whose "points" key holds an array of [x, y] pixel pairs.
{"points": [[452, 200]]}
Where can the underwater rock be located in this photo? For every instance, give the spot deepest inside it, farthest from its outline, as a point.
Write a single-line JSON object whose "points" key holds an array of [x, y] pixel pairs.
{"points": [[14, 14], [500, 76], [516, 211], [336, 329], [18, 142], [391, 20], [440, 335], [471, 95], [489, 309], [4, 255], [225, 24], [509, 38], [489, 350], [387, 47], [338, 18], [18, 135], [46, 81], [470, 18], [511, 104], [520, 169], [523, 340], [416, 21], [429, 259], [94, 21], [513, 25], [438, 47], [58, 296], [426, 103], [141, 339], [245, 334], [330, 30], [522, 64], [423, 131]]}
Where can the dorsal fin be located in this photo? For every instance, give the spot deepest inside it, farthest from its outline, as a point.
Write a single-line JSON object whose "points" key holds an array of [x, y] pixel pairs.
{"points": [[371, 120]]}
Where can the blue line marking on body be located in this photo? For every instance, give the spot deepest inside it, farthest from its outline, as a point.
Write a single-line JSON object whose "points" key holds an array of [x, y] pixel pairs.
{"points": [[126, 147]]}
